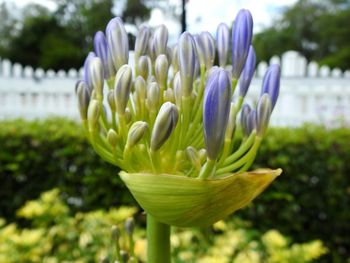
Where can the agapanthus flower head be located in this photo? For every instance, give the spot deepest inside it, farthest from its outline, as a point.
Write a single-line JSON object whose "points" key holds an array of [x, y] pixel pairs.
{"points": [[169, 121]]}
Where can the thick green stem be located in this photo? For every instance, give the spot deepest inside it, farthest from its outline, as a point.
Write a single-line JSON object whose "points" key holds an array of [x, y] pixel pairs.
{"points": [[158, 241]]}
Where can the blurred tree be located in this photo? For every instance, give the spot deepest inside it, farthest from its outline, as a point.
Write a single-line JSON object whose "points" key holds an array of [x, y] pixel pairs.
{"points": [[60, 39], [314, 28], [135, 12], [7, 27], [26, 46]]}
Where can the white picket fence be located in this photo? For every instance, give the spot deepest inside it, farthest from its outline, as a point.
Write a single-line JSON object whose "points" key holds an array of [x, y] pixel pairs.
{"points": [[309, 93]]}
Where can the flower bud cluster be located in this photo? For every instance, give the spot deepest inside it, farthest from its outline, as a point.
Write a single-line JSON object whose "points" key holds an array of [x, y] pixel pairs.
{"points": [[174, 112]]}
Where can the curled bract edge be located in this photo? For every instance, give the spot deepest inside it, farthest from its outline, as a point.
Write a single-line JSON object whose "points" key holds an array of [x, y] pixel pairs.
{"points": [[191, 202]]}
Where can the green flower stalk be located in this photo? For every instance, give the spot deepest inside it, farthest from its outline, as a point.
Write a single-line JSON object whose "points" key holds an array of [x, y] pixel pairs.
{"points": [[170, 123]]}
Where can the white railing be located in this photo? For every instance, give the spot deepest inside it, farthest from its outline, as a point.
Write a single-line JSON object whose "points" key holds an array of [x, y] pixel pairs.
{"points": [[309, 93]]}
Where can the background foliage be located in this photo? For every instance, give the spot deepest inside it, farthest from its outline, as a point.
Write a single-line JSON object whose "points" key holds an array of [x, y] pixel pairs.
{"points": [[60, 39], [54, 236], [314, 28], [38, 156], [309, 201]]}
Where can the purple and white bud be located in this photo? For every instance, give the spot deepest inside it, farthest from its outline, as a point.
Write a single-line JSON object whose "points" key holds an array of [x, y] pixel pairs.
{"points": [[86, 75], [216, 109], [252, 120], [222, 43], [193, 156], [122, 88], [143, 66], [110, 100], [83, 99], [160, 40], [263, 113], [177, 89], [141, 41], [271, 83], [153, 96], [169, 95], [93, 114], [103, 52], [118, 42], [169, 55], [136, 132], [245, 114], [187, 62], [164, 125], [242, 34], [112, 137], [205, 49], [175, 59], [96, 76], [247, 73], [161, 69], [140, 88]]}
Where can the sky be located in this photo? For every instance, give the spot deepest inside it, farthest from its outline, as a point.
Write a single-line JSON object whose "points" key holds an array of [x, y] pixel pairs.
{"points": [[206, 15]]}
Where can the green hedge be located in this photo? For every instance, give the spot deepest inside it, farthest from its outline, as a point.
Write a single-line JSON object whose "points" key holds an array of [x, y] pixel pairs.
{"points": [[38, 156], [310, 200]]}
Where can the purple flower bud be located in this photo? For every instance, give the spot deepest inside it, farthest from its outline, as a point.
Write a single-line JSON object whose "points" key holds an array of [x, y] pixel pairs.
{"points": [[263, 113], [222, 43], [241, 40], [252, 121], [205, 48], [216, 109], [247, 73], [187, 62], [103, 52], [141, 41], [160, 40], [271, 83], [245, 119], [118, 42], [86, 76]]}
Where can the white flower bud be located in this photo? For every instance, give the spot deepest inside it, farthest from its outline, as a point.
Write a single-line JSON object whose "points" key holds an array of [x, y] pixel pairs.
{"points": [[136, 132], [164, 125], [122, 88]]}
